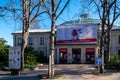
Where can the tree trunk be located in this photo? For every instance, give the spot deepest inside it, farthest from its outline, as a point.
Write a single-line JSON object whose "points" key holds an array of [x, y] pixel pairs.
{"points": [[102, 55], [23, 46], [51, 56], [108, 47], [52, 40], [102, 45], [25, 32]]}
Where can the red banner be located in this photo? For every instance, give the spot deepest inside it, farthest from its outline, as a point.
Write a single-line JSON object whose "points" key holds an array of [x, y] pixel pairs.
{"points": [[63, 50], [79, 40], [90, 50]]}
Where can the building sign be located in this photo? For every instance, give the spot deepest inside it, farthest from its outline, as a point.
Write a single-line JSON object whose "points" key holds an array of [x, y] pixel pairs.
{"points": [[77, 34], [90, 50], [14, 57], [63, 50]]}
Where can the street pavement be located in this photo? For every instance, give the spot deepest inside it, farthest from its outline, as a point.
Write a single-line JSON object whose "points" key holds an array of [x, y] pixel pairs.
{"points": [[68, 72]]}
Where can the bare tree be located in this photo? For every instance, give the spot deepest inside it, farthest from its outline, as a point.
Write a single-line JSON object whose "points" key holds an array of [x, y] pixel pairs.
{"points": [[108, 13], [30, 10], [113, 13], [54, 10]]}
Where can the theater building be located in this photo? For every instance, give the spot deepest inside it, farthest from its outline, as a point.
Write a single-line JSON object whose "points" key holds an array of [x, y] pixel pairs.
{"points": [[77, 41]]}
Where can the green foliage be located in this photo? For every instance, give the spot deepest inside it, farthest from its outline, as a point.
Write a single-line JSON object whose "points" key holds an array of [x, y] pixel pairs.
{"points": [[33, 56], [115, 59], [30, 59], [2, 42], [40, 57], [4, 50], [113, 62], [29, 66]]}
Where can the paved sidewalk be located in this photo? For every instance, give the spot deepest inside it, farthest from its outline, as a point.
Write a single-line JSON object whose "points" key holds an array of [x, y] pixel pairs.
{"points": [[114, 76], [69, 72]]}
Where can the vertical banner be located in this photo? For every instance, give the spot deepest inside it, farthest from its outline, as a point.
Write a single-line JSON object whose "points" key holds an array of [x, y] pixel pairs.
{"points": [[14, 57]]}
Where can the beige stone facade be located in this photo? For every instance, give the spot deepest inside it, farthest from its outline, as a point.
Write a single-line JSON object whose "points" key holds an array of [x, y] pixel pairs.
{"points": [[70, 53], [44, 46], [115, 42], [40, 41], [82, 52]]}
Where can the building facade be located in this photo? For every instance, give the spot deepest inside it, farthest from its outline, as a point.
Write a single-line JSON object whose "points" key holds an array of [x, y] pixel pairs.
{"points": [[74, 52], [38, 39], [115, 41]]}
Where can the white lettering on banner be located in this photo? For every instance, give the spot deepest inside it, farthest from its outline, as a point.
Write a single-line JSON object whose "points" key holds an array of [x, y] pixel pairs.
{"points": [[77, 34]]}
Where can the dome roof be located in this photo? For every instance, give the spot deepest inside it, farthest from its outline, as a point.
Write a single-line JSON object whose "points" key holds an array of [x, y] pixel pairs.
{"points": [[84, 19]]}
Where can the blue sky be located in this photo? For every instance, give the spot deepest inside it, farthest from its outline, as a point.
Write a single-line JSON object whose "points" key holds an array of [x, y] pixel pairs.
{"points": [[9, 26]]}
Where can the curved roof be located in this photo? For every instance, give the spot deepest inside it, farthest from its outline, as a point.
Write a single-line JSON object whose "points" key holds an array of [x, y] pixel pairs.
{"points": [[84, 19]]}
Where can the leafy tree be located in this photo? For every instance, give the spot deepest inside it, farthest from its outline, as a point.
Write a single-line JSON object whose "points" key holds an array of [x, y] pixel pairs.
{"points": [[4, 50]]}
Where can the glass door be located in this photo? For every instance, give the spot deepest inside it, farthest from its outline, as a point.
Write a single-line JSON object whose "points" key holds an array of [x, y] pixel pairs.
{"points": [[76, 56]]}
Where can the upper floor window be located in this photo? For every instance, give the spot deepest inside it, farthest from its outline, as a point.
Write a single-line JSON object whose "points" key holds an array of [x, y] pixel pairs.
{"points": [[30, 41], [119, 39], [19, 41], [41, 40]]}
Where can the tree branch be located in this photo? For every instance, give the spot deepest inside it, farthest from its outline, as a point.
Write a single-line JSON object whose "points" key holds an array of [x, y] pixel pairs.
{"points": [[33, 8], [46, 8], [36, 16], [98, 10], [58, 5], [9, 9], [62, 9], [37, 12], [114, 1]]}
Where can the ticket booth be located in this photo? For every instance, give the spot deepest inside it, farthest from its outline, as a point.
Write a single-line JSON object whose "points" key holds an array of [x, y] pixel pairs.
{"points": [[90, 55], [63, 55]]}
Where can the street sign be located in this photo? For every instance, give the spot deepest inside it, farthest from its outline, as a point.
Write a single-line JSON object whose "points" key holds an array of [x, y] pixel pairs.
{"points": [[14, 57]]}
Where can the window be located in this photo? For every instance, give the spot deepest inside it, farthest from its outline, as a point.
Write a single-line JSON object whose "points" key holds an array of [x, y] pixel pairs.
{"points": [[41, 40], [30, 41], [118, 52], [19, 41], [119, 39], [42, 50]]}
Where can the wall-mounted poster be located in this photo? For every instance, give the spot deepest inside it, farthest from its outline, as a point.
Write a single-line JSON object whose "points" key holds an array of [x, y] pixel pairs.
{"points": [[77, 34], [14, 57]]}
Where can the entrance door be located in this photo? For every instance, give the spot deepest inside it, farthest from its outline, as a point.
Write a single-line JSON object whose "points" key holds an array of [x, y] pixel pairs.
{"points": [[76, 55], [63, 55], [90, 55]]}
